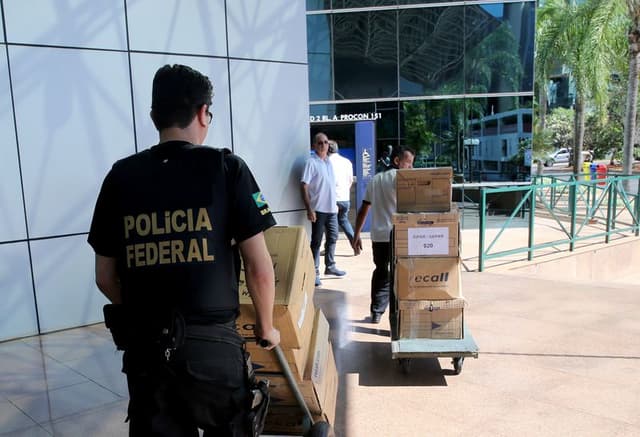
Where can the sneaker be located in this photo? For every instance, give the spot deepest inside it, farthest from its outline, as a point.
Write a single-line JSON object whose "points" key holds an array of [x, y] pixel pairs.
{"points": [[318, 283], [333, 270], [375, 318]]}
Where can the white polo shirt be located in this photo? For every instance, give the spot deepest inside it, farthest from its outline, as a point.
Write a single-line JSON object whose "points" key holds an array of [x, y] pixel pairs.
{"points": [[343, 171], [321, 184], [381, 194]]}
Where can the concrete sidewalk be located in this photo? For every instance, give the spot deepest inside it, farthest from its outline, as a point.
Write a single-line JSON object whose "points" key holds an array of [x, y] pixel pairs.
{"points": [[557, 358]]}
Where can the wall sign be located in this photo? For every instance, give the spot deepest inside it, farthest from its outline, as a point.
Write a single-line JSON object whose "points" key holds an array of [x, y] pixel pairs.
{"points": [[364, 116]]}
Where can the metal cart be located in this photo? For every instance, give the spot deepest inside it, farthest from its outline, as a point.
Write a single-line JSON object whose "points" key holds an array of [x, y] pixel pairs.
{"points": [[404, 349]]}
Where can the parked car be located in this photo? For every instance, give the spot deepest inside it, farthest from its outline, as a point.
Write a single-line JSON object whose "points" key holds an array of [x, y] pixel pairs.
{"points": [[564, 155]]}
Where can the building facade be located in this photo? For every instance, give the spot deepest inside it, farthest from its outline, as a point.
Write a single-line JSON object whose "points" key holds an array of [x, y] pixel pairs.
{"points": [[451, 79], [75, 81]]}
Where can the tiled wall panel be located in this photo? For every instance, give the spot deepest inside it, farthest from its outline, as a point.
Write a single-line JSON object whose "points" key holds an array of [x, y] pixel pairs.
{"points": [[273, 30], [144, 66], [178, 26], [82, 102], [63, 270], [12, 225], [266, 126], [18, 310], [73, 112], [69, 23]]}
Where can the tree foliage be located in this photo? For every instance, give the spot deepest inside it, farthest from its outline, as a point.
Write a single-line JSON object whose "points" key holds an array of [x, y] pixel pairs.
{"points": [[585, 38], [560, 127]]}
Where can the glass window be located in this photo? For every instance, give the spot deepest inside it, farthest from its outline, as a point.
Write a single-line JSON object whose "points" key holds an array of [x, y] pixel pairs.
{"points": [[318, 113], [499, 41], [433, 128], [413, 2], [365, 55], [319, 57], [344, 4], [320, 77], [387, 125], [316, 5], [355, 108], [431, 51], [498, 130]]}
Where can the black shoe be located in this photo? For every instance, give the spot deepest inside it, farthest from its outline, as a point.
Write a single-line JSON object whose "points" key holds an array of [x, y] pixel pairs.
{"points": [[333, 270], [375, 318]]}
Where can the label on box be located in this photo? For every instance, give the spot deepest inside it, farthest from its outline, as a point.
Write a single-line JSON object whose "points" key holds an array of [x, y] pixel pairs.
{"points": [[428, 241], [303, 311]]}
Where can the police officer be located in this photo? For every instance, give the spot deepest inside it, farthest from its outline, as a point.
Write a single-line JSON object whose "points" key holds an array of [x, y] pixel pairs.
{"points": [[169, 228]]}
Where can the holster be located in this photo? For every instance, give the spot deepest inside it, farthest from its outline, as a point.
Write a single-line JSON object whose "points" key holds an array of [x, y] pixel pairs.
{"points": [[258, 400], [165, 331], [259, 406]]}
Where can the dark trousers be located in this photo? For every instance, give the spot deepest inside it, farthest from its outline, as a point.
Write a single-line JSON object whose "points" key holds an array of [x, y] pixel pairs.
{"points": [[325, 223], [343, 219], [205, 386], [382, 278]]}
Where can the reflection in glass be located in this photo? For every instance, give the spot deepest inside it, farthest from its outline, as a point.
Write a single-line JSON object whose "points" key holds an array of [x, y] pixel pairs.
{"points": [[387, 125], [434, 129], [498, 142], [431, 51], [365, 55], [499, 47]]}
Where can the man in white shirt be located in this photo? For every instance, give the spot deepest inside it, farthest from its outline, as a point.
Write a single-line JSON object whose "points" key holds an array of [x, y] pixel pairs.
{"points": [[318, 190], [343, 171], [381, 198]]}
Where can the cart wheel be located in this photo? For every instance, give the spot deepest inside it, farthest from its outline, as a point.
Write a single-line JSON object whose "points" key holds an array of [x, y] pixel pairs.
{"points": [[320, 429], [405, 365], [457, 364]]}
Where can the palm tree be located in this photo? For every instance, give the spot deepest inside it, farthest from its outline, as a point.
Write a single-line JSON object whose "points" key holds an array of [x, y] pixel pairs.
{"points": [[582, 37], [633, 8]]}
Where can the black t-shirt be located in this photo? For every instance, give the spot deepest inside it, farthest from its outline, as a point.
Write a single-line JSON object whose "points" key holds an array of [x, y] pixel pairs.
{"points": [[170, 216]]}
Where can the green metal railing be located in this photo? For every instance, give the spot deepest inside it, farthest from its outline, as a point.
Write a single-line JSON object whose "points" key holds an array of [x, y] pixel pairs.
{"points": [[574, 202]]}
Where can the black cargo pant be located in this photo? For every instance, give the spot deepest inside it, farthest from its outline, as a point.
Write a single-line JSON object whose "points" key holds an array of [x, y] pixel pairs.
{"points": [[203, 385], [382, 278]]}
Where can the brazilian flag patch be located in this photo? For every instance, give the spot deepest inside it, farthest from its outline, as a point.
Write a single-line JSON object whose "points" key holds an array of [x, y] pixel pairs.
{"points": [[261, 203], [258, 197]]}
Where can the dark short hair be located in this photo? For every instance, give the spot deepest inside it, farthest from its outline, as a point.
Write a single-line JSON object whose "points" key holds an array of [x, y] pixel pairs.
{"points": [[399, 150], [178, 93]]}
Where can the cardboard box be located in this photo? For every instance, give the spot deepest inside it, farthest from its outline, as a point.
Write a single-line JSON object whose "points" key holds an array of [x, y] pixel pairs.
{"points": [[424, 189], [428, 278], [319, 396], [284, 420], [439, 319], [305, 362], [427, 233], [318, 349], [266, 361], [295, 321], [295, 283]]}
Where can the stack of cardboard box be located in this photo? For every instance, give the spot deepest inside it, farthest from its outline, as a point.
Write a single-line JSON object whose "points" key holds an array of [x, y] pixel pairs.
{"points": [[304, 333], [426, 248]]}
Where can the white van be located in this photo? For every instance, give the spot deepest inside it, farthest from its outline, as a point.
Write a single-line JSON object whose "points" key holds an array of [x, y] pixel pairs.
{"points": [[564, 156]]}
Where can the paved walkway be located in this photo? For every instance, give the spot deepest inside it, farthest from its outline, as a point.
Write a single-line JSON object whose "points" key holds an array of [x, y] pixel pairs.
{"points": [[556, 359]]}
